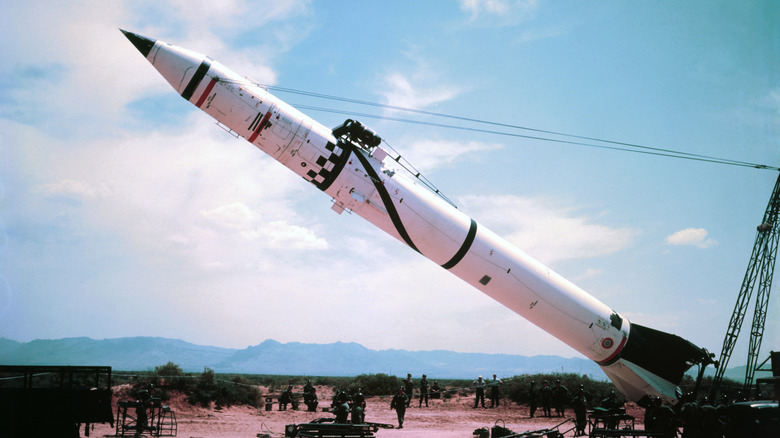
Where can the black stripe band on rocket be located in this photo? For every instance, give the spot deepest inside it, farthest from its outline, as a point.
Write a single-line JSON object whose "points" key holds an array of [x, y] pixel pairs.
{"points": [[463, 248], [386, 200], [196, 79]]}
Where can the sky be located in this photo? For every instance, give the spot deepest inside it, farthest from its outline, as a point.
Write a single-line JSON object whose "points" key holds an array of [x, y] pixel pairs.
{"points": [[125, 211]]}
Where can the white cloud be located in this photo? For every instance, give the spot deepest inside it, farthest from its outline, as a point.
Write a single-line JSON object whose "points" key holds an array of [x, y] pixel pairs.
{"points": [[229, 15], [192, 191], [401, 92], [79, 50], [691, 237], [235, 216], [278, 234], [282, 235], [498, 12], [428, 155], [75, 189], [546, 232]]}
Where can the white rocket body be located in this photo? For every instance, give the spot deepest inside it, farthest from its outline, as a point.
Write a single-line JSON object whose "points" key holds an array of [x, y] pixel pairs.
{"points": [[356, 177]]}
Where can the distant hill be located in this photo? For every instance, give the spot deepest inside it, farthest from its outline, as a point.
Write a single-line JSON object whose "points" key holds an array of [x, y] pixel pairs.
{"points": [[137, 354], [272, 357], [294, 358]]}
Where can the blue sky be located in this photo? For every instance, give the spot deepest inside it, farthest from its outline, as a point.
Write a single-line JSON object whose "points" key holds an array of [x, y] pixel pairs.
{"points": [[126, 212]]}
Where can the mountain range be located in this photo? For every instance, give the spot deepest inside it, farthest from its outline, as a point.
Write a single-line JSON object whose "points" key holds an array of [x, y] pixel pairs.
{"points": [[293, 358], [272, 357]]}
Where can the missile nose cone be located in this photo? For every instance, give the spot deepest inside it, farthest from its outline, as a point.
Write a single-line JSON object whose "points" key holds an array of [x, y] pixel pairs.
{"points": [[143, 44]]}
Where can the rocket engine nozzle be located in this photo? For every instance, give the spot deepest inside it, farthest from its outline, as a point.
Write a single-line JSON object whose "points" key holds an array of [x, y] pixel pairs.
{"points": [[654, 363]]}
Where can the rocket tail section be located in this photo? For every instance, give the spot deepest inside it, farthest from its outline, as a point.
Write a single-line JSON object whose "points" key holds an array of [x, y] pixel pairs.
{"points": [[653, 363]]}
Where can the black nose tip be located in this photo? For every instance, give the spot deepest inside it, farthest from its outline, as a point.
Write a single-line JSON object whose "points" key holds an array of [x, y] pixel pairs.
{"points": [[143, 44]]}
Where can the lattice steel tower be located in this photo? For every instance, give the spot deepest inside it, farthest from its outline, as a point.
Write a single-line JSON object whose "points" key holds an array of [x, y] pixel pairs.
{"points": [[760, 271]]}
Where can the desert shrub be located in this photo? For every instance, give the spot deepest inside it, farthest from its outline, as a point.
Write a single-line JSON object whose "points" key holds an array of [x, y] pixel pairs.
{"points": [[205, 389], [335, 382], [169, 369], [170, 376], [516, 388], [241, 392], [375, 384], [201, 390]]}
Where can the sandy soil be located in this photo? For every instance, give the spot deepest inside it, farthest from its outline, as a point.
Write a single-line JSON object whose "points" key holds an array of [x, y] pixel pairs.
{"points": [[455, 417]]}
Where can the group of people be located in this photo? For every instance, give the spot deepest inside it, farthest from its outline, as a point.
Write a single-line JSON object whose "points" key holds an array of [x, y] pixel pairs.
{"points": [[701, 419], [548, 397], [557, 397], [426, 391], [309, 398], [698, 419], [403, 397], [495, 391], [349, 407]]}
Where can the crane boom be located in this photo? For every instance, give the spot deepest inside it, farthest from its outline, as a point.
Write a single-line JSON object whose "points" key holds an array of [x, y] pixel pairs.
{"points": [[760, 272]]}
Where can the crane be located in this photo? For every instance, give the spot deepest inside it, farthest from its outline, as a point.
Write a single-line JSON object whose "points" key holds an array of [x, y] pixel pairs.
{"points": [[759, 273]]}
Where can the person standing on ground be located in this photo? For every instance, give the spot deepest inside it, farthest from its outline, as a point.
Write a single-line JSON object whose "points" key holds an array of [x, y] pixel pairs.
{"points": [[495, 392], [545, 394], [580, 405], [399, 403], [408, 388], [560, 393], [532, 398], [479, 386], [424, 390]]}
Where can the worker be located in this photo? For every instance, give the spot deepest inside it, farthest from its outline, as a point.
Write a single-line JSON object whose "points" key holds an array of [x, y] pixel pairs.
{"points": [[310, 396], [435, 390], [358, 407], [580, 405], [495, 391], [611, 402], [408, 389], [613, 406], [479, 386], [560, 393], [545, 395], [342, 409], [399, 403], [286, 398], [142, 419], [424, 390]]}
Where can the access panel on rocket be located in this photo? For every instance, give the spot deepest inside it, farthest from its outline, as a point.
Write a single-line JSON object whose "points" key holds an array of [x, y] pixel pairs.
{"points": [[346, 163]]}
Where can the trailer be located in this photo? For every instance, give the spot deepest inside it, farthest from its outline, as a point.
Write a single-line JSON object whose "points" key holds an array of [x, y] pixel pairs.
{"points": [[49, 401]]}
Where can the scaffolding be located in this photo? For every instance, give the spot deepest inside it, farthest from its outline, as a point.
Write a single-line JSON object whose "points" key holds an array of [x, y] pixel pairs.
{"points": [[145, 416]]}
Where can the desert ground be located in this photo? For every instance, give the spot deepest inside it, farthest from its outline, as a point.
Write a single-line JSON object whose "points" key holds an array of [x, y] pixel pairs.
{"points": [[455, 417]]}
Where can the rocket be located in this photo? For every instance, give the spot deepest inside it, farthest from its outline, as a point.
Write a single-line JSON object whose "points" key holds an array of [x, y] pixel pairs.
{"points": [[348, 164]]}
